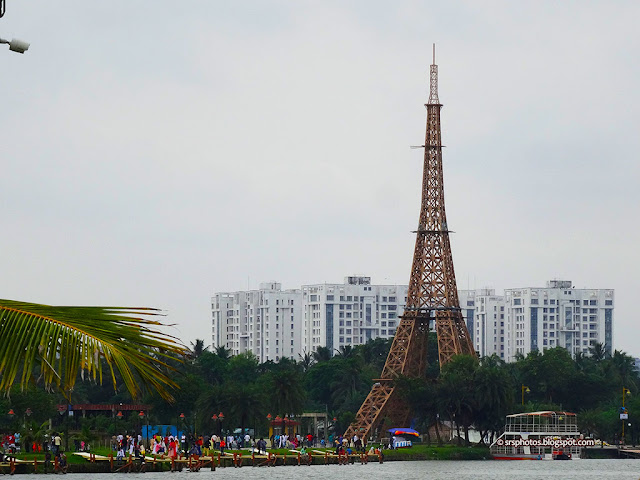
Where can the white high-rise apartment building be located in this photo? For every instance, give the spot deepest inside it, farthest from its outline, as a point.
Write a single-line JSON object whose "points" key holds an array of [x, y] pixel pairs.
{"points": [[350, 313], [273, 323], [467, 300], [484, 314], [266, 322], [558, 316]]}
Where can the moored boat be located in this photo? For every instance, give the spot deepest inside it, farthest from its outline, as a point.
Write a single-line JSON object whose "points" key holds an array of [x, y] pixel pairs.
{"points": [[545, 435]]}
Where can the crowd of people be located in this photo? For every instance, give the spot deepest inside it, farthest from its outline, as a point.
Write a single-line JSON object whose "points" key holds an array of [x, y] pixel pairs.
{"points": [[176, 446], [12, 443], [173, 446]]}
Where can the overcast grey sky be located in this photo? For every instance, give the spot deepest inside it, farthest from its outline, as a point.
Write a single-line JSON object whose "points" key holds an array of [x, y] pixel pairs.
{"points": [[155, 152]]}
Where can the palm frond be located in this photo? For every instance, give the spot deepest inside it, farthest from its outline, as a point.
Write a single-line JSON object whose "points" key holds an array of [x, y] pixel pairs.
{"points": [[62, 341]]}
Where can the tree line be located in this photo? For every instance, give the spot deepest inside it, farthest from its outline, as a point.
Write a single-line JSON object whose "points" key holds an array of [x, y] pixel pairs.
{"points": [[467, 392]]}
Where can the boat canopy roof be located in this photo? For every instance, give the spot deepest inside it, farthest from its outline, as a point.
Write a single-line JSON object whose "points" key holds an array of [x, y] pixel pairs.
{"points": [[544, 413]]}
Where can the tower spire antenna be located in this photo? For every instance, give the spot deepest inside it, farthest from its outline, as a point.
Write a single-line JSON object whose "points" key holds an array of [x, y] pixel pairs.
{"points": [[433, 81]]}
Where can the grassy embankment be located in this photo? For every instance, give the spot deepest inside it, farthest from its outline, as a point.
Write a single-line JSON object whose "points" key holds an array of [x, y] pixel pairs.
{"points": [[446, 452]]}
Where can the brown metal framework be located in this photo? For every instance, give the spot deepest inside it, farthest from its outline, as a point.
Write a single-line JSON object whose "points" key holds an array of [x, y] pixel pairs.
{"points": [[432, 295]]}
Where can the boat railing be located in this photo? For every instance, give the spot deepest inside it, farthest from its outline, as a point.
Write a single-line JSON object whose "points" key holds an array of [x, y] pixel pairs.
{"points": [[541, 428]]}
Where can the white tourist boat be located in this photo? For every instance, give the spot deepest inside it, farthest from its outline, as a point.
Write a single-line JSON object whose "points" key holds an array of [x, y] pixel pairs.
{"points": [[543, 435]]}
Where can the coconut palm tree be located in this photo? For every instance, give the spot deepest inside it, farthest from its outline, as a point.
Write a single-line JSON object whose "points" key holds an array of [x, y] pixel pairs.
{"points": [[287, 391], [322, 354], [57, 343], [345, 351], [198, 348], [223, 352], [306, 361], [347, 380], [598, 352]]}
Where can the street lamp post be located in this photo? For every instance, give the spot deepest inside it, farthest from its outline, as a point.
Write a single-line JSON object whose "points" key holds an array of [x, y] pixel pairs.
{"points": [[184, 447], [269, 427], [221, 417], [27, 413], [11, 414], [284, 423], [118, 417], [214, 417], [146, 435], [335, 419], [623, 414], [61, 410], [277, 422], [524, 390]]}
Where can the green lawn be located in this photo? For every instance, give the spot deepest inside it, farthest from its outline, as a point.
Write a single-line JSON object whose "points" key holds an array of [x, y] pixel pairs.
{"points": [[417, 452], [447, 452]]}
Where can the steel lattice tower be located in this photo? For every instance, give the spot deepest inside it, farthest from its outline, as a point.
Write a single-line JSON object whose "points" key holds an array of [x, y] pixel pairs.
{"points": [[432, 295]]}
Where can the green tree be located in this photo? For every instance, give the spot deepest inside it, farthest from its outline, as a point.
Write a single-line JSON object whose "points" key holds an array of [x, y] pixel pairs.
{"points": [[494, 396], [245, 403], [375, 352], [457, 391], [212, 367], [197, 348], [243, 368], [549, 375], [348, 381], [317, 383], [322, 354], [223, 352], [345, 351], [286, 391], [421, 395], [306, 361], [597, 352], [621, 368]]}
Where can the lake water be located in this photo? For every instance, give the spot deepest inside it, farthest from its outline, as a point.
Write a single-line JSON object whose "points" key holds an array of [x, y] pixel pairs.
{"points": [[432, 470]]}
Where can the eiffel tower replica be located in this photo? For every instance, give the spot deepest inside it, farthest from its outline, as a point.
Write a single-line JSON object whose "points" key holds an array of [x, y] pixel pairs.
{"points": [[432, 295]]}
